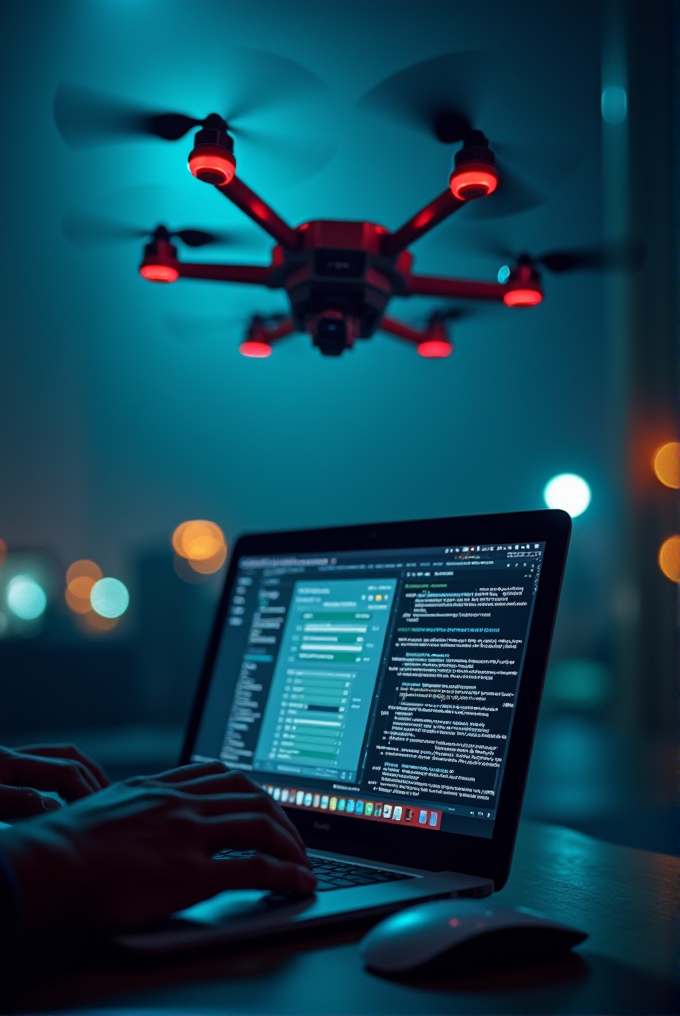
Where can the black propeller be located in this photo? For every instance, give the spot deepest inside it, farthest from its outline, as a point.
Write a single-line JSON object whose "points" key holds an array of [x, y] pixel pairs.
{"points": [[91, 231], [444, 98], [258, 82], [625, 254]]}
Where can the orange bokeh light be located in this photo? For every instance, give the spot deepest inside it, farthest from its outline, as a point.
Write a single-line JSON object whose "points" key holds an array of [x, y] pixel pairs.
{"points": [[78, 604], [3, 551], [669, 558], [95, 622], [84, 569], [202, 544], [211, 564], [667, 464]]}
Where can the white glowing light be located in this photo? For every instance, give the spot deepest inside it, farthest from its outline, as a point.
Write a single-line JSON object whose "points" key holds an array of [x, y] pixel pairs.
{"points": [[109, 597], [569, 492], [25, 598], [503, 274]]}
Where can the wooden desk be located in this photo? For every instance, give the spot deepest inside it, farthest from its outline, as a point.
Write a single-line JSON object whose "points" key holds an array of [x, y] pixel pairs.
{"points": [[626, 899]]}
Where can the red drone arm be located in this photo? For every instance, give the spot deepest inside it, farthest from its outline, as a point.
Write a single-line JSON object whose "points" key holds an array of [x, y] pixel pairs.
{"points": [[464, 289], [254, 274], [402, 331], [286, 327], [422, 222], [260, 212]]}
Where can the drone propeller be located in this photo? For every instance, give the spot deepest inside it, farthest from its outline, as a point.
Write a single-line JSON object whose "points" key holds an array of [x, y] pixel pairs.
{"points": [[259, 82], [626, 254], [442, 98], [90, 231]]}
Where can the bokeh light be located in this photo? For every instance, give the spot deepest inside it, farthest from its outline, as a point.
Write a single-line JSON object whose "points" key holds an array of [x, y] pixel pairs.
{"points": [[614, 104], [503, 274], [26, 598], [669, 558], [109, 597], [569, 492], [434, 349], [80, 579], [201, 544], [667, 464], [255, 349]]}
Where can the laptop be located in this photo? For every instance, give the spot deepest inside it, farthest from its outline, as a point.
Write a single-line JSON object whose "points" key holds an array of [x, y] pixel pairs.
{"points": [[382, 683]]}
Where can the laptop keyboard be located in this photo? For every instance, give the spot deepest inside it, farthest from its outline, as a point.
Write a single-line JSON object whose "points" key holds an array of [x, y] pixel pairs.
{"points": [[335, 874]]}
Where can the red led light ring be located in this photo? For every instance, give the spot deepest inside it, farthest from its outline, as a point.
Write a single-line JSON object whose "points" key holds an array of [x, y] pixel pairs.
{"points": [[258, 350], [434, 349], [158, 271], [522, 297], [212, 164], [473, 180]]}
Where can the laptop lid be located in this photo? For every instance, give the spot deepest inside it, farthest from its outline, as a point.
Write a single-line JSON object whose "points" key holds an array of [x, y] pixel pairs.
{"points": [[383, 682]]}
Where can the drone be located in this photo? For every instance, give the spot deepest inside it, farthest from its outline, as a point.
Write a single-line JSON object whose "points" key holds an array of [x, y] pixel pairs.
{"points": [[340, 276]]}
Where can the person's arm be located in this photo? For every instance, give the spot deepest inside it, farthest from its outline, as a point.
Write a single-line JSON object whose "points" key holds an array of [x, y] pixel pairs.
{"points": [[142, 849]]}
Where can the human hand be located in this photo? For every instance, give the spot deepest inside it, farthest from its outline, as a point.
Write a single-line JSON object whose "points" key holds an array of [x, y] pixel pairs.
{"points": [[142, 849], [59, 768]]}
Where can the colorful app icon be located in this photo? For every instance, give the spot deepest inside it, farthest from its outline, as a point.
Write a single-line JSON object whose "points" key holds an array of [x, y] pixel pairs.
{"points": [[369, 808], [350, 804], [409, 814], [377, 811], [277, 793], [360, 807], [342, 803], [284, 794], [396, 814], [307, 800], [333, 804], [324, 801], [299, 796], [433, 818], [387, 811], [422, 818], [317, 800]]}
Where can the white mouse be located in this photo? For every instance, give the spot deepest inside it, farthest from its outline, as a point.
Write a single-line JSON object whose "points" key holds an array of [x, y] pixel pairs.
{"points": [[459, 936]]}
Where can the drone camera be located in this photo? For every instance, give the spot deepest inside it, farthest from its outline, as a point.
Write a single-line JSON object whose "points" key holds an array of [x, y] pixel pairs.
{"points": [[523, 286], [212, 158], [474, 172], [159, 263], [334, 332]]}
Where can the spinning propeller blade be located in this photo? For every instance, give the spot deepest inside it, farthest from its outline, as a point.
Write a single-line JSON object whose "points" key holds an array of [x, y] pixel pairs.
{"points": [[625, 254], [91, 231], [445, 99]]}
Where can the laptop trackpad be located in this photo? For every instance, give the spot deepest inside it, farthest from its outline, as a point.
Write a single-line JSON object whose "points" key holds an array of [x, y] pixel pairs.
{"points": [[235, 905]]}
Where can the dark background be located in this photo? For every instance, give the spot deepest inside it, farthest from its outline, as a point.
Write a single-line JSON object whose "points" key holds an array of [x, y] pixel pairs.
{"points": [[126, 408]]}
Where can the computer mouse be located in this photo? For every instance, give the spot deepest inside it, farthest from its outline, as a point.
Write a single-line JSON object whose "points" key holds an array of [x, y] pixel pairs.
{"points": [[463, 936]]}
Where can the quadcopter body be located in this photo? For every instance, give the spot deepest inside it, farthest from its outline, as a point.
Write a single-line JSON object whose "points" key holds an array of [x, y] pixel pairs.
{"points": [[339, 276]]}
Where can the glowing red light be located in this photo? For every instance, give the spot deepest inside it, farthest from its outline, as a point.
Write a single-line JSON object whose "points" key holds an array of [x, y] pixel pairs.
{"points": [[212, 164], [522, 297], [473, 180], [433, 349], [254, 348], [159, 273]]}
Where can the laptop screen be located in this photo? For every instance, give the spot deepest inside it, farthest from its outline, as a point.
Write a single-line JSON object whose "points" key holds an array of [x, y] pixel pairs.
{"points": [[378, 684]]}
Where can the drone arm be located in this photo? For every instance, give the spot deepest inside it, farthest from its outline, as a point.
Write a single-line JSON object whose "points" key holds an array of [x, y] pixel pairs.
{"points": [[422, 222], [254, 274], [402, 331], [286, 327], [464, 289], [248, 201]]}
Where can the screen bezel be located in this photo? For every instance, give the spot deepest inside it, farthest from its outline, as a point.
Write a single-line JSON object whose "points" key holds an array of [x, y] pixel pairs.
{"points": [[474, 855]]}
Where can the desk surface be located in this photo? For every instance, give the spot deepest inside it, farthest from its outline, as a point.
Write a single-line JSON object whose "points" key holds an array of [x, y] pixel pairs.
{"points": [[626, 899]]}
